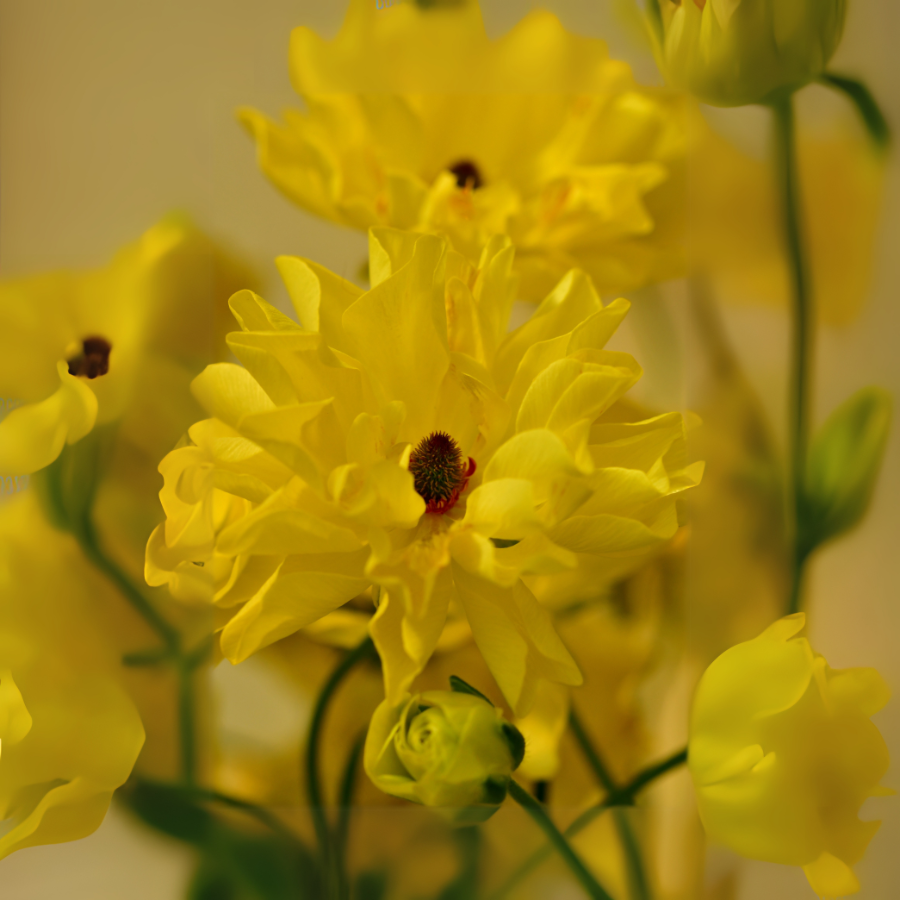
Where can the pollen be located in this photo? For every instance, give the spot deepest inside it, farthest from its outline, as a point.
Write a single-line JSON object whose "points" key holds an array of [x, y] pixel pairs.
{"points": [[93, 360], [440, 471]]}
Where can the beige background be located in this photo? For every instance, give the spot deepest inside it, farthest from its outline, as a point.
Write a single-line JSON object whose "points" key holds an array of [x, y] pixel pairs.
{"points": [[112, 112]]}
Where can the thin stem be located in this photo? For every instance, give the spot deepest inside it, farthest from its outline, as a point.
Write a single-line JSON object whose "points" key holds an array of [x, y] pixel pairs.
{"points": [[639, 886], [803, 324], [313, 780], [562, 846], [624, 796], [345, 806]]}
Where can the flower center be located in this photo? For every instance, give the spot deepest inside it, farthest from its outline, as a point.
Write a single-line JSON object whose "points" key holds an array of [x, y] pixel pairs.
{"points": [[93, 359], [467, 174], [440, 471]]}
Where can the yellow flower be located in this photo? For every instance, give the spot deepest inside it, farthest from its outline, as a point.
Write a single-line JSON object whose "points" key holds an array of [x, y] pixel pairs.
{"points": [[76, 348], [405, 441], [783, 755], [735, 52], [69, 734], [734, 215], [449, 750], [418, 120]]}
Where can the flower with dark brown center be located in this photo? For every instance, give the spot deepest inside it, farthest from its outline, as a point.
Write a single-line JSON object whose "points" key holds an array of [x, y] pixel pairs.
{"points": [[93, 359], [467, 174], [440, 471]]}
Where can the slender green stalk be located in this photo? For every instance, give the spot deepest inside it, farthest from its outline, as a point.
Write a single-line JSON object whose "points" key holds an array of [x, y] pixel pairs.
{"points": [[345, 807], [559, 842], [803, 325], [640, 887], [313, 779], [624, 796]]}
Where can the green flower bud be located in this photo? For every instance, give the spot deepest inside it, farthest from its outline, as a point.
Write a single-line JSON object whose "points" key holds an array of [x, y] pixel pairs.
{"points": [[735, 52], [450, 750]]}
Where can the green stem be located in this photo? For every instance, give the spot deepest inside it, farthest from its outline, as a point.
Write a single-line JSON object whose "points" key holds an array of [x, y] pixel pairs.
{"points": [[624, 796], [639, 885], [562, 846], [345, 807], [185, 664], [789, 186], [313, 779]]}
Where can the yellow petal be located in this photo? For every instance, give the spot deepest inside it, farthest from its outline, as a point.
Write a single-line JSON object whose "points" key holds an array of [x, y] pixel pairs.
{"points": [[829, 877], [516, 637], [32, 436]]}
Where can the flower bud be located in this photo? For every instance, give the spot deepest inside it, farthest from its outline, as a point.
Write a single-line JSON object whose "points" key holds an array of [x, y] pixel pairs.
{"points": [[450, 750], [783, 754], [735, 52]]}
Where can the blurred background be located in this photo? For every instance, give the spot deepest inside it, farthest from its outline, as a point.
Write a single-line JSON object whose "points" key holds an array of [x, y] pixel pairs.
{"points": [[113, 112]]}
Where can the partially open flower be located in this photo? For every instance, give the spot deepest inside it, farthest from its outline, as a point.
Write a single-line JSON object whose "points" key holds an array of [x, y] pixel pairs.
{"points": [[735, 52], [783, 754], [450, 750]]}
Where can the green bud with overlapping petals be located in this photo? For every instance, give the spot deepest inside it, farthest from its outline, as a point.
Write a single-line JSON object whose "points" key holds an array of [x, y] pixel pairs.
{"points": [[736, 52], [451, 750]]}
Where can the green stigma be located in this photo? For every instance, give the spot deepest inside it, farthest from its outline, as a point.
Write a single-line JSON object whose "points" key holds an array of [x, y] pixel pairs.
{"points": [[440, 471]]}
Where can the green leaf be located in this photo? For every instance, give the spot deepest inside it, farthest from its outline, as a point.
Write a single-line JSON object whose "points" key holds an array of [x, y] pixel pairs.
{"points": [[236, 864], [843, 465], [370, 886], [171, 811], [866, 105], [458, 686]]}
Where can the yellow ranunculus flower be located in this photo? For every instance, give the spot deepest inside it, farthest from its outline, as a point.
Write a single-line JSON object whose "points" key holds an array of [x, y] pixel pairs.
{"points": [[453, 751], [783, 754], [75, 348], [391, 439], [418, 120], [69, 734], [735, 52]]}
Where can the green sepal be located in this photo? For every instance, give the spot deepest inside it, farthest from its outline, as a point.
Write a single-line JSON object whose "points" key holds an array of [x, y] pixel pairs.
{"points": [[866, 105], [458, 686], [495, 790], [842, 467], [516, 741]]}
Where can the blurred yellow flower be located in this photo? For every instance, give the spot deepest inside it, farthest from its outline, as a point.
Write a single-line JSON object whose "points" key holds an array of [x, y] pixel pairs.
{"points": [[69, 734], [76, 348], [418, 120], [392, 439], [735, 52], [453, 751], [783, 754], [734, 233]]}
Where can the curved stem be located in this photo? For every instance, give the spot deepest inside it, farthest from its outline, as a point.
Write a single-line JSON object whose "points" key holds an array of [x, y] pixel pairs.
{"points": [[803, 324], [624, 796], [342, 829], [313, 780], [639, 885], [561, 845]]}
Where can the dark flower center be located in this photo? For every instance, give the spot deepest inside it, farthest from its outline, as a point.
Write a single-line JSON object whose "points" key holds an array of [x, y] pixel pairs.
{"points": [[93, 359], [467, 174], [440, 471]]}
